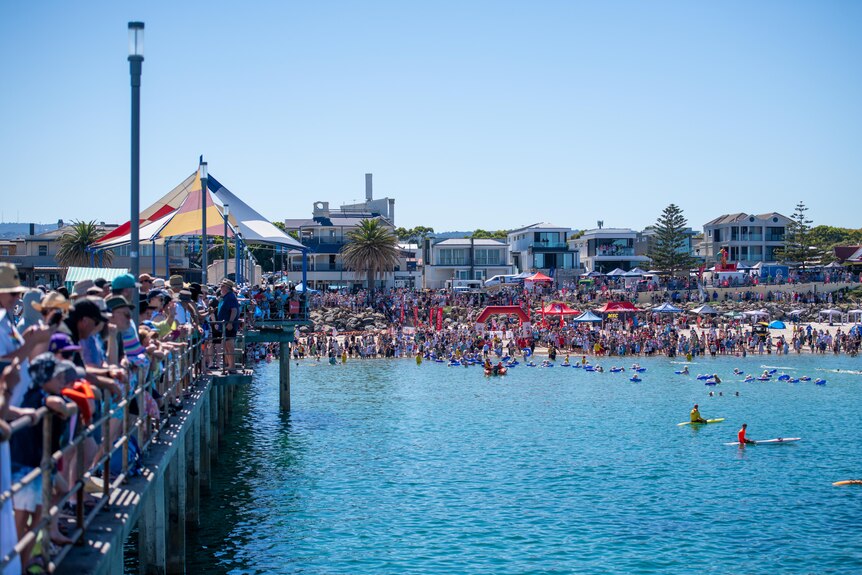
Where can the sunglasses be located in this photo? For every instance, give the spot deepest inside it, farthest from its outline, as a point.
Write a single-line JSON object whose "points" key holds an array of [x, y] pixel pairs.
{"points": [[146, 281], [153, 307]]}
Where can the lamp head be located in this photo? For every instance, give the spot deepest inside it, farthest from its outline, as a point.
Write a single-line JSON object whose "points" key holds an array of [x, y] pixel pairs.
{"points": [[136, 40]]}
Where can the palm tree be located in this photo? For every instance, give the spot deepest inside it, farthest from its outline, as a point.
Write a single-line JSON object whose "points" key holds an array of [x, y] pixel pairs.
{"points": [[75, 241], [371, 247]]}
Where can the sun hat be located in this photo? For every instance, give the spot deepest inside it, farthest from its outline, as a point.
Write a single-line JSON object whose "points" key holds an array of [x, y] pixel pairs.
{"points": [[228, 283], [116, 302], [159, 283], [42, 368], [10, 282], [124, 281], [53, 300], [80, 288], [95, 291], [176, 282], [145, 278]]}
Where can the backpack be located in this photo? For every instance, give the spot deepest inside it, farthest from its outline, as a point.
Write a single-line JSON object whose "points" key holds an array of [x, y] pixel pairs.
{"points": [[135, 466]]}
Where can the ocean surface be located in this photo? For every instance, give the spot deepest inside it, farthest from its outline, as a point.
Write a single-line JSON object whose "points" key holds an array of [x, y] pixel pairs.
{"points": [[385, 467]]}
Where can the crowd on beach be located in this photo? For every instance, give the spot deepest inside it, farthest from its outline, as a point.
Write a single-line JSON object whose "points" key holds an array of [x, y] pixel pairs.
{"points": [[73, 347]]}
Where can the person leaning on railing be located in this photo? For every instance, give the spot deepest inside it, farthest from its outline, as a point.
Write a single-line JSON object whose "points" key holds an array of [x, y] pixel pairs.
{"points": [[48, 377]]}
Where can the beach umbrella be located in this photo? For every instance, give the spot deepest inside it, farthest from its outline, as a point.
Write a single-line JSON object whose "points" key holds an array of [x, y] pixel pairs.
{"points": [[756, 313], [777, 325]]}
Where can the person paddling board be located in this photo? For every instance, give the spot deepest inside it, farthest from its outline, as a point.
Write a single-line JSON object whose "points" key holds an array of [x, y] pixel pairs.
{"points": [[740, 436]]}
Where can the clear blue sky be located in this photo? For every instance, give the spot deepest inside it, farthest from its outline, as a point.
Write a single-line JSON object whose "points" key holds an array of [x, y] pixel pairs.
{"points": [[471, 114]]}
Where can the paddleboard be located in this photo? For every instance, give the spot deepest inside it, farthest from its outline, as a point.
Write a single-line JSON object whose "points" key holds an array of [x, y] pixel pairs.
{"points": [[849, 482], [775, 441], [717, 420]]}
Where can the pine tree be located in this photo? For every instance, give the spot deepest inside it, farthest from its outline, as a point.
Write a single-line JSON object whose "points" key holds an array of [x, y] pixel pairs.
{"points": [[797, 237], [668, 250]]}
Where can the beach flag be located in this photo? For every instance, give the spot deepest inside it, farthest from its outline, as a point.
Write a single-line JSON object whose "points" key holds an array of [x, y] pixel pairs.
{"points": [[439, 318]]}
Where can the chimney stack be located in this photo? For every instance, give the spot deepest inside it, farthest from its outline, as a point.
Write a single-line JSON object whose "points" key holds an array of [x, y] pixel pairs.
{"points": [[368, 192], [32, 229]]}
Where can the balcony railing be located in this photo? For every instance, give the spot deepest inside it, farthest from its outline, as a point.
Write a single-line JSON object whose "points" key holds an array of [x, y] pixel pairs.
{"points": [[614, 252], [549, 245], [326, 267]]}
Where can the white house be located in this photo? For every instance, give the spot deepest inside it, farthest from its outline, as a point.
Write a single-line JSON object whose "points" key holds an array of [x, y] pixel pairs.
{"points": [[465, 259]]}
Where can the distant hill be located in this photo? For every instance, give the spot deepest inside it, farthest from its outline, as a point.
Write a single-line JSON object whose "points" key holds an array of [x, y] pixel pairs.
{"points": [[10, 231], [450, 235]]}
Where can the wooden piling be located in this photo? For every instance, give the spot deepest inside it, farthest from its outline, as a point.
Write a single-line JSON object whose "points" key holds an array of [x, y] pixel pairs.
{"points": [[176, 492], [204, 428], [152, 535], [193, 479], [284, 376]]}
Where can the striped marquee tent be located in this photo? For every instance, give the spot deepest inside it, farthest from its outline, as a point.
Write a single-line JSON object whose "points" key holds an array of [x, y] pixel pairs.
{"points": [[179, 214]]}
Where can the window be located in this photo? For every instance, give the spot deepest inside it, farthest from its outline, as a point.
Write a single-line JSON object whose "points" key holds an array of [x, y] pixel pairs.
{"points": [[488, 256], [43, 250], [453, 257], [5, 251]]}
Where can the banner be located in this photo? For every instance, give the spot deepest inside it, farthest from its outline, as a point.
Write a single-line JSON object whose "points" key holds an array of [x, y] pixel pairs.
{"points": [[439, 318]]}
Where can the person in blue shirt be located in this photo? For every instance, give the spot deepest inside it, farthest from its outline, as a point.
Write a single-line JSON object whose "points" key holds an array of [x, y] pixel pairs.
{"points": [[228, 312]]}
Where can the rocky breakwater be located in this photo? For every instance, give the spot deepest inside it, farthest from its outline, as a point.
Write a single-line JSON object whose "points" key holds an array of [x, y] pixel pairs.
{"points": [[344, 319]]}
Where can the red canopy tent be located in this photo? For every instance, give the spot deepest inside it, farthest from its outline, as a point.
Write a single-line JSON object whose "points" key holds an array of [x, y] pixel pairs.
{"points": [[558, 308], [538, 277], [618, 307]]}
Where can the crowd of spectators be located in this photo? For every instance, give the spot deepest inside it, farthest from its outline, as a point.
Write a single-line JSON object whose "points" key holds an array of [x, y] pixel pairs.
{"points": [[78, 352]]}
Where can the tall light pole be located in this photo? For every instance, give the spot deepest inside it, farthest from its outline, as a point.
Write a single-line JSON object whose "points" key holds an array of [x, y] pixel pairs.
{"points": [[204, 258], [226, 212], [136, 60]]}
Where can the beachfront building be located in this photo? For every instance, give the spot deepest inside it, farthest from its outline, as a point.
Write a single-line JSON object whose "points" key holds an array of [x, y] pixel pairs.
{"points": [[325, 234], [646, 239], [35, 255], [542, 247], [748, 238], [604, 249], [455, 260]]}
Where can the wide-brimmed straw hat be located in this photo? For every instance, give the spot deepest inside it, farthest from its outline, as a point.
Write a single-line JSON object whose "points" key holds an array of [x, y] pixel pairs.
{"points": [[54, 300], [10, 281]]}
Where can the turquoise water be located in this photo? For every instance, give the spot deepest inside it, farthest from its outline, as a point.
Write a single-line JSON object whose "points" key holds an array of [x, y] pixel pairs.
{"points": [[386, 467]]}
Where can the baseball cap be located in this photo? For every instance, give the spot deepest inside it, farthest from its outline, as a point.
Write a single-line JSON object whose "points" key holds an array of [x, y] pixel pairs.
{"points": [[124, 281], [62, 342], [86, 307]]}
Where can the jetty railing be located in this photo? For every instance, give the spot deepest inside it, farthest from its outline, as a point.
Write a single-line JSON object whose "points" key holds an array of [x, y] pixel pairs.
{"points": [[122, 418]]}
